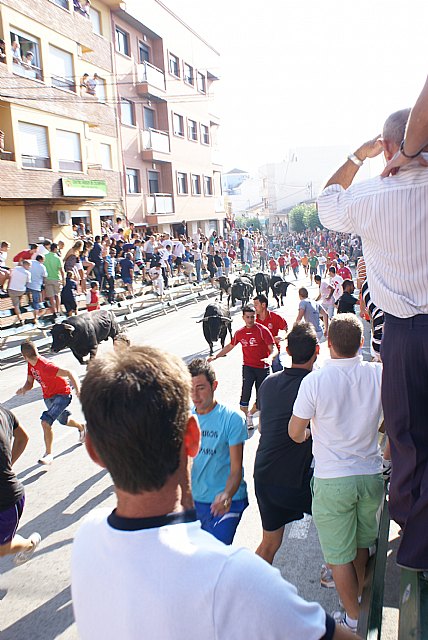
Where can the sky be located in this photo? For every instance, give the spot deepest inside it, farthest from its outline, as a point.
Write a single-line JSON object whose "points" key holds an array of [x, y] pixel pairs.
{"points": [[309, 72]]}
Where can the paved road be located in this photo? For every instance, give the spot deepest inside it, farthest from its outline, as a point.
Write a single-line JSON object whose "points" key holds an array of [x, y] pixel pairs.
{"points": [[35, 599]]}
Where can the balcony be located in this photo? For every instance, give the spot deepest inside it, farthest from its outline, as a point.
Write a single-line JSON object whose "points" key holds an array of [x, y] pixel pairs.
{"points": [[159, 204], [150, 81], [155, 145]]}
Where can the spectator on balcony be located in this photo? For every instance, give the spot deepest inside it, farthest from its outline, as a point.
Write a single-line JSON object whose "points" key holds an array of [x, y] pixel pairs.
{"points": [[27, 61], [2, 51], [16, 52], [84, 84], [91, 85]]}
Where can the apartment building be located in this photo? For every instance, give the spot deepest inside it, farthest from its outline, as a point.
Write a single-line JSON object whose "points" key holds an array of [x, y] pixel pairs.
{"points": [[59, 159], [166, 75]]}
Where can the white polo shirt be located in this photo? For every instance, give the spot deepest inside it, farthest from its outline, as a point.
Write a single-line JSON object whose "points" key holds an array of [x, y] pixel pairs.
{"points": [[343, 401]]}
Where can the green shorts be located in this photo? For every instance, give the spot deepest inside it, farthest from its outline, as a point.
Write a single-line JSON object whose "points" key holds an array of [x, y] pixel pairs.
{"points": [[345, 512]]}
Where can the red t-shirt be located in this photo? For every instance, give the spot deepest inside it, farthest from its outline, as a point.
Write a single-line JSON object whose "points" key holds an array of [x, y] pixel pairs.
{"points": [[281, 261], [272, 265], [294, 263], [344, 273], [23, 255], [45, 374], [255, 343], [274, 322]]}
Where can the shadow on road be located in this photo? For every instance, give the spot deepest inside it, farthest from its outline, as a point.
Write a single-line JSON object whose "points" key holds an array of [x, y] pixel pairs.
{"points": [[19, 401], [43, 469], [46, 622]]}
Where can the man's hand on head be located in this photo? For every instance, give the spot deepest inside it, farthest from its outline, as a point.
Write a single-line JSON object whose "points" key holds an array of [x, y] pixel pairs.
{"points": [[398, 161], [370, 149]]}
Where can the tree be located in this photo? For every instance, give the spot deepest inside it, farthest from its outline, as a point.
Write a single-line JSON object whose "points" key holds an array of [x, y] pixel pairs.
{"points": [[296, 218], [304, 216], [243, 223]]}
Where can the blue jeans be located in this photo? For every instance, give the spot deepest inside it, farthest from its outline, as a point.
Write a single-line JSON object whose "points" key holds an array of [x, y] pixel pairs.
{"points": [[198, 270], [221, 527], [56, 409]]}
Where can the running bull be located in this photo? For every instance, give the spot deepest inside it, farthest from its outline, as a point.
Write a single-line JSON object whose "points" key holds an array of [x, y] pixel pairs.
{"points": [[83, 333], [216, 323]]}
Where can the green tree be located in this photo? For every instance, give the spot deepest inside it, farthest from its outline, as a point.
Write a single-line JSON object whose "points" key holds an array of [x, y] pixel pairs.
{"points": [[310, 217], [304, 216], [244, 223], [296, 218]]}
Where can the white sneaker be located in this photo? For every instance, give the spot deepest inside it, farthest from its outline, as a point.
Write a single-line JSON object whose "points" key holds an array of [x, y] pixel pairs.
{"points": [[23, 556], [82, 435], [46, 459], [342, 620]]}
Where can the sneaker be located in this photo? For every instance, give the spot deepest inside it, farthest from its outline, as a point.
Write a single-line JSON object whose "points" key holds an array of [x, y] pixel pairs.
{"points": [[326, 578], [82, 435], [386, 469], [46, 459], [342, 620], [23, 556]]}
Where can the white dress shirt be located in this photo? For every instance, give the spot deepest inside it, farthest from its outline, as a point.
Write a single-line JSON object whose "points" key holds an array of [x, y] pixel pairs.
{"points": [[391, 216]]}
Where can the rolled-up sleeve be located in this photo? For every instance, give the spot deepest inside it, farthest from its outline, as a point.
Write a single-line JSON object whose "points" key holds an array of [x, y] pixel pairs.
{"points": [[334, 209]]}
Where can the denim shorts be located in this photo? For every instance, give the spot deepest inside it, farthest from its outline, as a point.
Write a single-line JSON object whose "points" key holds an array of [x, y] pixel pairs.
{"points": [[57, 409], [221, 527], [35, 299]]}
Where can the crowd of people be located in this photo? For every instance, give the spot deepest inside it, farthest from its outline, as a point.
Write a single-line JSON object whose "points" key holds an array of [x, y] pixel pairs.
{"points": [[165, 549]]}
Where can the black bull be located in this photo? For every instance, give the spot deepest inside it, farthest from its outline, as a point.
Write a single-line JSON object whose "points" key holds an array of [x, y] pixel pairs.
{"points": [[83, 333], [215, 324]]}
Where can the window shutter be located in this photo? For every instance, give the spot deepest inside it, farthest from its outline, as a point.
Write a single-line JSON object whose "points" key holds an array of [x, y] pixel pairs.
{"points": [[34, 140], [68, 144]]}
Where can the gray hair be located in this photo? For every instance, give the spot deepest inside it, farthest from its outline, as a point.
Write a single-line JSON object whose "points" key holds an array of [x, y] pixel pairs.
{"points": [[395, 126]]}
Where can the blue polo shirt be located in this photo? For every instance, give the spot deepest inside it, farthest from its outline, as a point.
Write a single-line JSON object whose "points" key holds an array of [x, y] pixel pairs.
{"points": [[221, 428]]}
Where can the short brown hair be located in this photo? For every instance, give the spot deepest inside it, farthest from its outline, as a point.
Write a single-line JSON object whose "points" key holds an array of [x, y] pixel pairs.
{"points": [[29, 349], [345, 332], [303, 292], [136, 409]]}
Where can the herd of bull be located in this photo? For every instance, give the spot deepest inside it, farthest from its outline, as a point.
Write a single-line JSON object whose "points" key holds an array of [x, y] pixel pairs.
{"points": [[217, 320]]}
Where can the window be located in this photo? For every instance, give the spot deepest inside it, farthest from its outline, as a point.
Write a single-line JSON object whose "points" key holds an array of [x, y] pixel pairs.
{"points": [[178, 124], [208, 185], [174, 65], [105, 150], [153, 182], [188, 74], [95, 18], [122, 41], [132, 181], [61, 62], [196, 185], [69, 151], [201, 82], [34, 146], [127, 112], [143, 53], [182, 183], [61, 3], [100, 89], [205, 134], [149, 118], [25, 52], [192, 129]]}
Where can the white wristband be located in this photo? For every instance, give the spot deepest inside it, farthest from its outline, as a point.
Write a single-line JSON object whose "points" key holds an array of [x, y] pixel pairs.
{"points": [[353, 158]]}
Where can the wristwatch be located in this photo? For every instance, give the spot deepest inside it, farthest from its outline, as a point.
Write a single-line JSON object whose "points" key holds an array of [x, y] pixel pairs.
{"points": [[406, 155], [355, 159]]}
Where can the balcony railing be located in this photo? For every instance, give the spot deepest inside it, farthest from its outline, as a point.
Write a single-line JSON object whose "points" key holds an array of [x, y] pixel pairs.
{"points": [[154, 140], [63, 83], [154, 77], [7, 155], [28, 71], [160, 203]]}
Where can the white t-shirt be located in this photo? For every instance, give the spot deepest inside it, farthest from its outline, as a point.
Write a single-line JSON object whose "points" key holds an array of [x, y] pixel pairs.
{"points": [[322, 260], [175, 582], [178, 250], [336, 282], [343, 401], [19, 279], [325, 292]]}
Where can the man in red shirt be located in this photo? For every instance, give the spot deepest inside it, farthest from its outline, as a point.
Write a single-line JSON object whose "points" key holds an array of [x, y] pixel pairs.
{"points": [[56, 394], [272, 321], [343, 271], [258, 350], [273, 266], [27, 254]]}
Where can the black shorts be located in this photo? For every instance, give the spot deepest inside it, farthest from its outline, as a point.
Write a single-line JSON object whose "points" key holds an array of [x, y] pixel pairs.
{"points": [[70, 306], [313, 271], [178, 261], [251, 376], [280, 505]]}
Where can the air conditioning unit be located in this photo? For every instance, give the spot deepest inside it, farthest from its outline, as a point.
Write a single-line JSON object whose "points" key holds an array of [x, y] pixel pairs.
{"points": [[63, 217]]}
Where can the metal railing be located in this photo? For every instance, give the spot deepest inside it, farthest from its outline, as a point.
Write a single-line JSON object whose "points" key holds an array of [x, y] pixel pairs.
{"points": [[155, 140], [159, 203], [147, 72]]}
